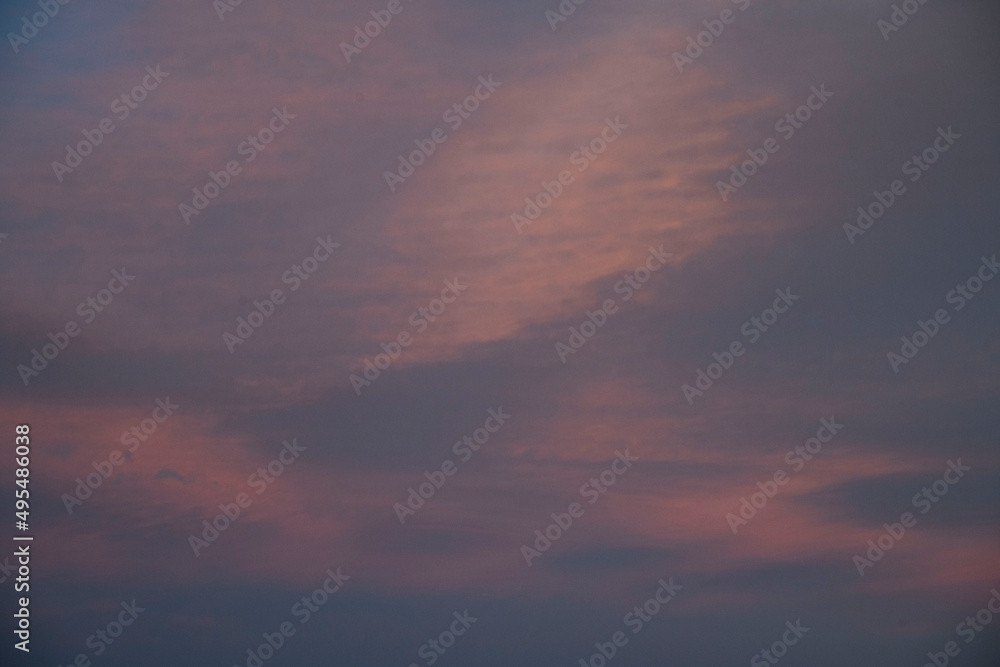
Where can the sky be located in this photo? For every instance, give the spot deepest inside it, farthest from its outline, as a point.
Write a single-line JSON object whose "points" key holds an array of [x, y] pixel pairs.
{"points": [[506, 333]]}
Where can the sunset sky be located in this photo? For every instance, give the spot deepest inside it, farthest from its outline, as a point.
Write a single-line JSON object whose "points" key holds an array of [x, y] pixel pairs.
{"points": [[503, 254]]}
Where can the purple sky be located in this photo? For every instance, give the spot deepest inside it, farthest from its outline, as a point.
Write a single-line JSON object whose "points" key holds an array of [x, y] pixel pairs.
{"points": [[581, 272]]}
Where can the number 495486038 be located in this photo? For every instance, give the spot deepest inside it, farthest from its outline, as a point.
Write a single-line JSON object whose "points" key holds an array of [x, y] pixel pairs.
{"points": [[22, 448]]}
